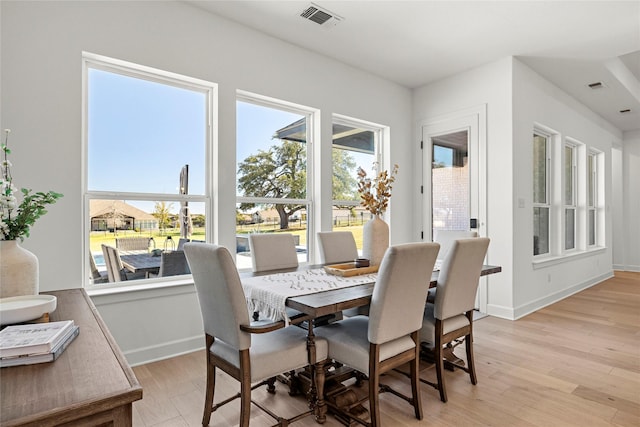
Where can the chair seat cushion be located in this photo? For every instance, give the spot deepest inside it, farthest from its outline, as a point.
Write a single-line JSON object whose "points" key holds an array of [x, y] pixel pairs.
{"points": [[274, 352], [349, 343], [428, 331]]}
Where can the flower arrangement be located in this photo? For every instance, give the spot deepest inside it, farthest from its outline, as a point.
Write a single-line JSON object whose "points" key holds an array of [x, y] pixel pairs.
{"points": [[15, 219], [376, 203]]}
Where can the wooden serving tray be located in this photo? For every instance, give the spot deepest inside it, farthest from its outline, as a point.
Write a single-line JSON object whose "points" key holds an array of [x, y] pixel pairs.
{"points": [[349, 269]]}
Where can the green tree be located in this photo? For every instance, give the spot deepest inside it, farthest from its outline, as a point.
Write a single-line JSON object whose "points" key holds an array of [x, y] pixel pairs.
{"points": [[277, 173], [344, 176], [281, 172], [162, 212]]}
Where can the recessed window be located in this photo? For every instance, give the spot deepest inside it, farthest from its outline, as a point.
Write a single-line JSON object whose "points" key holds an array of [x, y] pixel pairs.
{"points": [[569, 178], [354, 145], [147, 144], [273, 149], [541, 200]]}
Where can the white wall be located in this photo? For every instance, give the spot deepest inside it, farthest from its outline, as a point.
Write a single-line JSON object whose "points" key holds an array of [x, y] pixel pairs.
{"points": [[490, 85], [516, 98], [630, 259], [41, 81], [535, 100]]}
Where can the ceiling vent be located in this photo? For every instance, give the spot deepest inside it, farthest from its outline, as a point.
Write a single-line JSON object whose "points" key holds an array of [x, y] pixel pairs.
{"points": [[320, 16], [625, 111], [596, 85]]}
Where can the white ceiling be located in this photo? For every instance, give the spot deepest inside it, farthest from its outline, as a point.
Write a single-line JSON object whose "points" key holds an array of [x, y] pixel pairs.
{"points": [[413, 43]]}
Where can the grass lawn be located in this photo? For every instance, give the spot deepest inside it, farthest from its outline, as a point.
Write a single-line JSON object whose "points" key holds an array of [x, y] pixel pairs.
{"points": [[160, 238]]}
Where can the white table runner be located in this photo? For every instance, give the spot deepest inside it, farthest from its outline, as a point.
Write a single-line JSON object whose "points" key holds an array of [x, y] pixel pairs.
{"points": [[268, 294]]}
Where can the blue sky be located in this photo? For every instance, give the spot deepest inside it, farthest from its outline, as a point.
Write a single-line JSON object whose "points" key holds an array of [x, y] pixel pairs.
{"points": [[141, 133]]}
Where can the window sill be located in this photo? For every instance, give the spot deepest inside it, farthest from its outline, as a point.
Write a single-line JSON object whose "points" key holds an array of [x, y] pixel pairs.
{"points": [[129, 292], [560, 259]]}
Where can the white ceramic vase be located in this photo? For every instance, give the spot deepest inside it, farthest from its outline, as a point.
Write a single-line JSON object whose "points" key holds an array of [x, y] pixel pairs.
{"points": [[18, 270], [375, 240]]}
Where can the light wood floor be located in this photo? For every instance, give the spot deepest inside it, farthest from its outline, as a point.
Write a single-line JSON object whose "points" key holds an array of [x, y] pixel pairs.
{"points": [[575, 363]]}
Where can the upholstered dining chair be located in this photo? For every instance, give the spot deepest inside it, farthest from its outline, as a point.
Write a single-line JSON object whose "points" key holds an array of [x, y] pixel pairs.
{"points": [[337, 247], [272, 251], [450, 319], [388, 338], [446, 239], [250, 354]]}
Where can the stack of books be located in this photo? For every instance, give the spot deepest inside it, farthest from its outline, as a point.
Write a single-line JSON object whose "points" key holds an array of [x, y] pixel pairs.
{"points": [[35, 343]]}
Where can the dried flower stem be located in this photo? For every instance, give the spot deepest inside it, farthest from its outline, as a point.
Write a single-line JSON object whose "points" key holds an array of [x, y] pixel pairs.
{"points": [[375, 193]]}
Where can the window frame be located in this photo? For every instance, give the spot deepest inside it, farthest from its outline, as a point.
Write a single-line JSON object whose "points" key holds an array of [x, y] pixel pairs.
{"points": [[570, 183], [546, 204], [129, 69], [593, 194], [312, 125]]}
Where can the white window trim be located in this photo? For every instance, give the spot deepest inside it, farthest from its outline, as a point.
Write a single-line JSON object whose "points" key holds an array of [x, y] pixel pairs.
{"points": [[104, 63], [313, 126], [378, 132], [573, 205], [549, 136]]}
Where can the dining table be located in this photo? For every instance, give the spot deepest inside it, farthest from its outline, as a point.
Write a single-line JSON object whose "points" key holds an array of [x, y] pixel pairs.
{"points": [[145, 262], [316, 295]]}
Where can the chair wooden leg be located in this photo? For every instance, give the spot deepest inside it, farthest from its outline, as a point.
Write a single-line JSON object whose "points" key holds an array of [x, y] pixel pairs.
{"points": [[374, 384], [245, 389], [439, 362], [208, 400], [470, 360], [211, 384], [415, 380]]}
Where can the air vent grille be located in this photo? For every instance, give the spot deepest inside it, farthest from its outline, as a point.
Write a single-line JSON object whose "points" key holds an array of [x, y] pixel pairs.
{"points": [[596, 85], [320, 16], [625, 111]]}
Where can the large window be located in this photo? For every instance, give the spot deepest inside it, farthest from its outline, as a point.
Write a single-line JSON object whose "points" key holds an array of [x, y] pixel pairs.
{"points": [[147, 139], [274, 141], [569, 178], [541, 196], [354, 145]]}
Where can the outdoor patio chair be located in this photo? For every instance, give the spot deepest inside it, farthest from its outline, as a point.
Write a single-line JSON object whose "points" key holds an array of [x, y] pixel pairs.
{"points": [[172, 264], [96, 275], [134, 243], [115, 270]]}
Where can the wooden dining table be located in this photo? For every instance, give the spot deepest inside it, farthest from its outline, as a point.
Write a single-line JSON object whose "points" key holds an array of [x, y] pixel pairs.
{"points": [[323, 303]]}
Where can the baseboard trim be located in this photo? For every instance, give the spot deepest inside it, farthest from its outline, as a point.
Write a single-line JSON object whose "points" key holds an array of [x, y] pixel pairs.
{"points": [[500, 311], [144, 355], [536, 305]]}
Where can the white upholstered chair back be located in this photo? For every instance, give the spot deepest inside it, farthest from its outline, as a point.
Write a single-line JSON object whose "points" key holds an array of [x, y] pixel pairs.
{"points": [[400, 292], [459, 276], [272, 251], [447, 237], [337, 246], [220, 294]]}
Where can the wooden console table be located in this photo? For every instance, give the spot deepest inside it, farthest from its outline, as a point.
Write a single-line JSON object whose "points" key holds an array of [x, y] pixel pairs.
{"points": [[89, 384]]}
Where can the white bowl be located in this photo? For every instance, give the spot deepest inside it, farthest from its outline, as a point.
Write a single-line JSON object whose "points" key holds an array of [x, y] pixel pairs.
{"points": [[26, 307]]}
